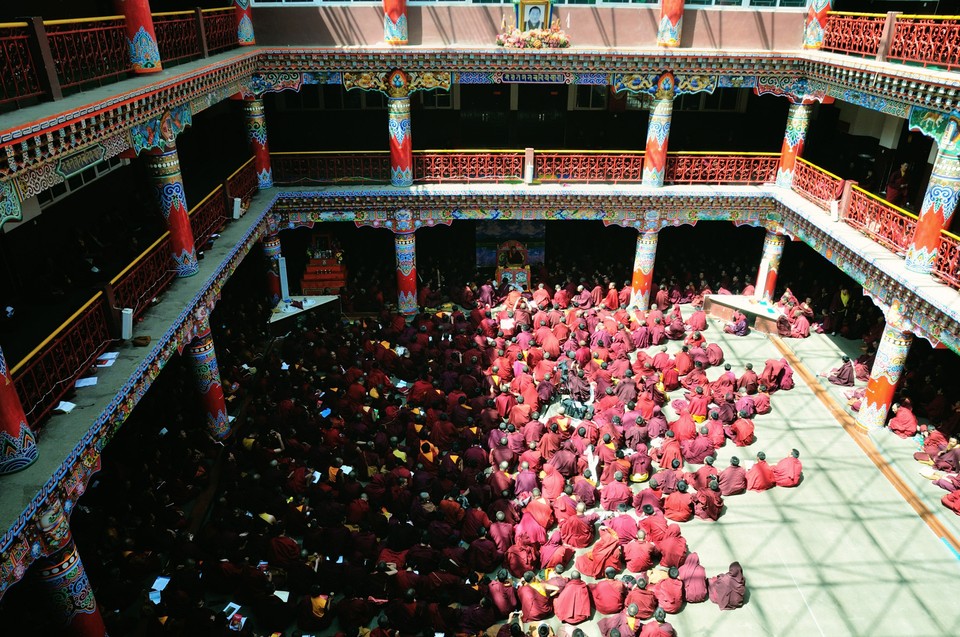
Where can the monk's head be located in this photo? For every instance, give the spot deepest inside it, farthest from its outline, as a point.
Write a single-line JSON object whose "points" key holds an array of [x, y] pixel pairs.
{"points": [[709, 459], [653, 485], [528, 577], [674, 572], [575, 575], [682, 486], [714, 485], [618, 476], [761, 456], [648, 509], [501, 517], [610, 572], [794, 453]]}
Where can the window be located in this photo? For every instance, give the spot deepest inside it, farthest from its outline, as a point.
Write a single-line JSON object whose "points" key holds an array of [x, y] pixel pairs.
{"points": [[589, 98], [330, 97], [438, 99]]}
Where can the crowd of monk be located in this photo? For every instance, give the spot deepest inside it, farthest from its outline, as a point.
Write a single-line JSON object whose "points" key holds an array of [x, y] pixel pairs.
{"points": [[437, 476]]}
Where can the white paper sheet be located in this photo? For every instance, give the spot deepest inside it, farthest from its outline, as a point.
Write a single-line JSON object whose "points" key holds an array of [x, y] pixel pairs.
{"points": [[86, 382]]}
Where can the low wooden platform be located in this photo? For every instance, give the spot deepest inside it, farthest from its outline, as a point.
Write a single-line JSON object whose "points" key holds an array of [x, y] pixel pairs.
{"points": [[760, 316]]}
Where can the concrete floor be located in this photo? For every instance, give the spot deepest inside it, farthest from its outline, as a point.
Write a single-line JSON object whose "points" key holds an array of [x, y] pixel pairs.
{"points": [[842, 554]]}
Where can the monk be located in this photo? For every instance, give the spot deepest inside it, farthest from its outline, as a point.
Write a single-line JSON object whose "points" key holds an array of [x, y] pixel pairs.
{"points": [[669, 591], [605, 553], [843, 375], [643, 598], [749, 380], [615, 493], [572, 605], [740, 430], [623, 624], [788, 472], [733, 479], [640, 555], [503, 594], [694, 579], [535, 600], [903, 423], [760, 477], [608, 594], [577, 530], [709, 503], [659, 627], [952, 501], [727, 590], [678, 506]]}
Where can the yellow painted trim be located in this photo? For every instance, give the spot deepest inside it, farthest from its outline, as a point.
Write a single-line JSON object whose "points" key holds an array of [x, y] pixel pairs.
{"points": [[234, 173], [854, 13], [170, 13], [472, 151], [105, 18], [703, 153], [205, 199], [823, 170], [12, 25], [141, 257], [887, 203], [56, 332], [918, 16], [218, 10], [950, 234], [539, 151]]}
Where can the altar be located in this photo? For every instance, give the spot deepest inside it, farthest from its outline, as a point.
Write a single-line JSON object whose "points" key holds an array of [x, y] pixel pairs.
{"points": [[513, 264]]}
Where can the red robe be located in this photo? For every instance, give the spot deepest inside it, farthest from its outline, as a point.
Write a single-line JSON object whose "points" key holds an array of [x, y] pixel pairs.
{"points": [[678, 506], [904, 423], [640, 556], [534, 602], [577, 531], [572, 605], [608, 596], [606, 552], [669, 593], [760, 477], [787, 472]]}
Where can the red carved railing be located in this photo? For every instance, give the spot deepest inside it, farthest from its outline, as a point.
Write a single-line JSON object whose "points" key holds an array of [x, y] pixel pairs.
{"points": [[623, 166], [816, 184], [19, 75], [304, 169], [88, 51], [890, 226], [926, 40], [177, 36], [243, 182], [856, 33], [208, 216], [51, 369], [947, 266], [495, 166], [220, 27], [145, 278], [721, 168]]}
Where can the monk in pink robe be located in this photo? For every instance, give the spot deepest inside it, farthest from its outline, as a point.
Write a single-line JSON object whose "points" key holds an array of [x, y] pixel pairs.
{"points": [[605, 553], [727, 590], [694, 579], [788, 472], [760, 477], [608, 594], [577, 530], [669, 591]]}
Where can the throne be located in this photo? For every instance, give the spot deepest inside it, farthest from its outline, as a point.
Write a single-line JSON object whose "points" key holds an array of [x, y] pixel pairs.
{"points": [[512, 264]]}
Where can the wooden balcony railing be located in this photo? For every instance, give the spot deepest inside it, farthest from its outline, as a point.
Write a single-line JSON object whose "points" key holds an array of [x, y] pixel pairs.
{"points": [[243, 182], [220, 27], [89, 52], [816, 184], [887, 224], [853, 33], [927, 40], [585, 166], [19, 73], [947, 265], [177, 36], [721, 168]]}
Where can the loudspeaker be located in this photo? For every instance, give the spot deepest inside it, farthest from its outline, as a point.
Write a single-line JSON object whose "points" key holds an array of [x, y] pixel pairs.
{"points": [[237, 209], [284, 286]]}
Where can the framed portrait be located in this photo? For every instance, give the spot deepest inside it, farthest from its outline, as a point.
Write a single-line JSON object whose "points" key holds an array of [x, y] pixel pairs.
{"points": [[533, 14]]}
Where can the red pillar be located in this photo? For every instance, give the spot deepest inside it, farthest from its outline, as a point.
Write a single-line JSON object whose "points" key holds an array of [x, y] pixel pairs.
{"points": [[406, 248], [769, 266], [61, 575], [401, 141], [163, 164], [887, 370], [18, 446], [798, 119], [395, 21], [658, 132], [816, 23], [671, 22], [203, 358], [141, 37], [939, 202], [244, 15], [271, 250], [257, 135]]}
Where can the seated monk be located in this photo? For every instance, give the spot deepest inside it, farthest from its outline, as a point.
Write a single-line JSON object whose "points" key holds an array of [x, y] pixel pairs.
{"points": [[645, 600], [605, 553], [733, 479], [536, 602], [788, 472], [577, 530], [952, 501], [903, 423], [727, 590], [573, 605], [843, 375], [608, 593], [760, 477], [640, 554], [624, 624], [669, 591], [659, 627]]}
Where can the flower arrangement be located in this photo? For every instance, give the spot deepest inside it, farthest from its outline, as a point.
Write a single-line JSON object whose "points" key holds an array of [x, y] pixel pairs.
{"points": [[552, 38]]}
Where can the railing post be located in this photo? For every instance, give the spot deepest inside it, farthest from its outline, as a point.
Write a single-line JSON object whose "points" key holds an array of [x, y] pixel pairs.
{"points": [[529, 166], [845, 197], [112, 311], [886, 36], [201, 33], [40, 48]]}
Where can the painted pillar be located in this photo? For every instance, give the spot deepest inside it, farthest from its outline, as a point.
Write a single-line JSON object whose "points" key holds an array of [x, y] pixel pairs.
{"points": [[257, 135], [643, 260], [671, 22], [60, 573], [769, 266], [241, 9], [406, 247], [395, 21], [203, 358], [797, 121], [271, 250], [141, 37], [658, 132], [18, 446], [887, 368], [163, 164], [816, 23], [939, 202], [401, 141]]}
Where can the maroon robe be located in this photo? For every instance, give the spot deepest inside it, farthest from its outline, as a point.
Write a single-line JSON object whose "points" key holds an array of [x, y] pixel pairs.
{"points": [[504, 597], [787, 472], [608, 596], [903, 423], [694, 579], [645, 600], [577, 530], [534, 603], [669, 594], [727, 590], [606, 552], [640, 556]]}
